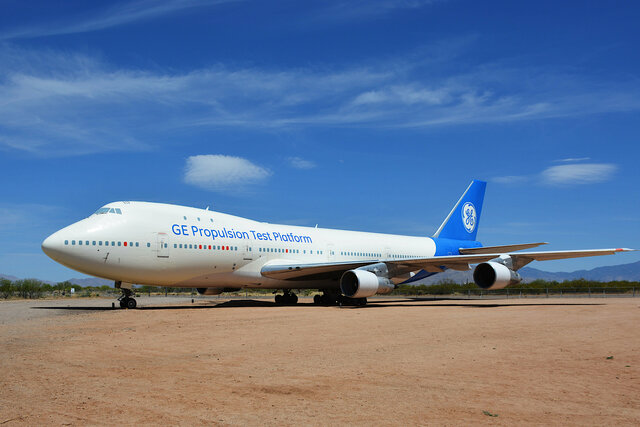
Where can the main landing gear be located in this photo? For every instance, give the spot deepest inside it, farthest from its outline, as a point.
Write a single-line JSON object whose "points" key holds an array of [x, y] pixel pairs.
{"points": [[126, 299], [288, 298], [337, 299]]}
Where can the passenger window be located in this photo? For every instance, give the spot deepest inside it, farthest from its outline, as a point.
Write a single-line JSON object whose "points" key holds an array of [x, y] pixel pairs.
{"points": [[137, 244], [79, 242], [198, 218], [119, 243], [175, 245], [99, 242], [94, 243], [66, 242], [148, 244], [185, 218]]}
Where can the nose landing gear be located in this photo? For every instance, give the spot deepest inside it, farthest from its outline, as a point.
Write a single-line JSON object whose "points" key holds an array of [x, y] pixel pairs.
{"points": [[126, 299]]}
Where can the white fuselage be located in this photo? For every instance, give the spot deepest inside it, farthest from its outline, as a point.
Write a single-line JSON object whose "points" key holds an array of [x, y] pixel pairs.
{"points": [[169, 245]]}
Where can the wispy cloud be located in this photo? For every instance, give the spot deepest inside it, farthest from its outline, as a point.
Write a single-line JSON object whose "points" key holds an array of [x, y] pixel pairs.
{"points": [[61, 103], [573, 174], [573, 159], [123, 13], [584, 173], [300, 163], [218, 172]]}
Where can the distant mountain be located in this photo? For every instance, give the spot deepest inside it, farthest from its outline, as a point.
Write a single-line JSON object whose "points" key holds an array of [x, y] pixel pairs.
{"points": [[88, 281], [629, 272], [91, 281]]}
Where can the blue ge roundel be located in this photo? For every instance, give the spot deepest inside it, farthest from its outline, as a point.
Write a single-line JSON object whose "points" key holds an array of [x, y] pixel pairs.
{"points": [[469, 217]]}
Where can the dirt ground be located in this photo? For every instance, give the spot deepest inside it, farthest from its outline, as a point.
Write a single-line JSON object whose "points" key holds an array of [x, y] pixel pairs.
{"points": [[397, 361]]}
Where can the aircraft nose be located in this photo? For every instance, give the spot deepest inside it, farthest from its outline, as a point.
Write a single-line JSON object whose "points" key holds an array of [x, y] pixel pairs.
{"points": [[52, 245]]}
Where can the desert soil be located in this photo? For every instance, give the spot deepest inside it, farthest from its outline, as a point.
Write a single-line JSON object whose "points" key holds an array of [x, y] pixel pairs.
{"points": [[395, 362]]}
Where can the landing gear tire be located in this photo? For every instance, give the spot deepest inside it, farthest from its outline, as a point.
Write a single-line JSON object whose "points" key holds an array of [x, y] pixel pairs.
{"points": [[125, 299], [288, 298], [325, 299]]}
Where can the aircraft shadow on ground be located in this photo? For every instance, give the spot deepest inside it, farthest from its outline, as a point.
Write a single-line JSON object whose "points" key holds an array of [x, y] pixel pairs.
{"points": [[409, 302]]}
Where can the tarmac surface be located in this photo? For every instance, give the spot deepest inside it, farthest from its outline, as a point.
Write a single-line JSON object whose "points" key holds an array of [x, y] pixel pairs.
{"points": [[556, 361]]}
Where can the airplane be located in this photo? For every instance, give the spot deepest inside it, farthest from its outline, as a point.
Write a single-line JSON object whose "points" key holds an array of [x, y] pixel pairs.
{"points": [[176, 246]]}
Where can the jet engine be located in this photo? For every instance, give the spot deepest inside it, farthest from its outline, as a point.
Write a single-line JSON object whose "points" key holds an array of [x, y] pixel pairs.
{"points": [[362, 284], [493, 275]]}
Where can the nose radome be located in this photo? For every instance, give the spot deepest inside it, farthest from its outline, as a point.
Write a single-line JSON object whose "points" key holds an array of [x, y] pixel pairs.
{"points": [[51, 245]]}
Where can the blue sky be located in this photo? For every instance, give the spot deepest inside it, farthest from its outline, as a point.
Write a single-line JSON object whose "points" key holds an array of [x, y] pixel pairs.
{"points": [[368, 115]]}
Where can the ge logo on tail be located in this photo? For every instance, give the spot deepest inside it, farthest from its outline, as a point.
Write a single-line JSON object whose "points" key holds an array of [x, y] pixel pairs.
{"points": [[469, 217]]}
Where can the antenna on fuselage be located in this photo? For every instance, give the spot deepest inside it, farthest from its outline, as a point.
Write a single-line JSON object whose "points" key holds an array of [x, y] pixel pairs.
{"points": [[207, 208], [316, 225]]}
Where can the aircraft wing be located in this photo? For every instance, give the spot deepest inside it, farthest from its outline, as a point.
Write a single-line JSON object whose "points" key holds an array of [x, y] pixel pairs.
{"points": [[502, 248], [333, 270]]}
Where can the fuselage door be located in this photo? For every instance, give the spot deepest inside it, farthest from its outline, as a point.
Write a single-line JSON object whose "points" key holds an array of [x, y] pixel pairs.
{"points": [[163, 245], [247, 253], [331, 251]]}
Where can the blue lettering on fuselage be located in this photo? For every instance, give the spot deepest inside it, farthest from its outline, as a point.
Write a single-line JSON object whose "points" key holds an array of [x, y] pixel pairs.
{"points": [[224, 233]]}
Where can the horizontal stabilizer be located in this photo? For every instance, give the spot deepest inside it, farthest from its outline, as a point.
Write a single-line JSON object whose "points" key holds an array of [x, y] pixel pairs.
{"points": [[499, 249]]}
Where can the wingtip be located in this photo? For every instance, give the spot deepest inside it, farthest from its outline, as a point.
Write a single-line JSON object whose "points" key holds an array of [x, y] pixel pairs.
{"points": [[626, 250]]}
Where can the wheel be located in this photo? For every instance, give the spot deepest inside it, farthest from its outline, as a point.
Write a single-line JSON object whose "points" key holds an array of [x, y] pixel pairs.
{"points": [[123, 303], [131, 303], [293, 299], [317, 299], [328, 300], [279, 299]]}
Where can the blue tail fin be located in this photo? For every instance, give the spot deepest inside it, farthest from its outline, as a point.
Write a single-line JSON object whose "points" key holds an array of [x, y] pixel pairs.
{"points": [[463, 220]]}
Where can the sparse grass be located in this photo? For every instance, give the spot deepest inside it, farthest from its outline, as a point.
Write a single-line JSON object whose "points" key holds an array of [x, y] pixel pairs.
{"points": [[489, 414]]}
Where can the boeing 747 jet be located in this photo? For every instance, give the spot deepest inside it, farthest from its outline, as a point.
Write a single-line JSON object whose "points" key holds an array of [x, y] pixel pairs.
{"points": [[168, 245]]}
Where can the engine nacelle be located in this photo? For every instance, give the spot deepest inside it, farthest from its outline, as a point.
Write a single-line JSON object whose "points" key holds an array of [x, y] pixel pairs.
{"points": [[493, 275], [362, 284]]}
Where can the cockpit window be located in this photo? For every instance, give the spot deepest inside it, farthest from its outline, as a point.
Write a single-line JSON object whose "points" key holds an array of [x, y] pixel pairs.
{"points": [[103, 211]]}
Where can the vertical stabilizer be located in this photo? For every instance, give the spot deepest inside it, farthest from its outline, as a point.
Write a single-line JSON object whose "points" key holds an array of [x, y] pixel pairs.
{"points": [[463, 220]]}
